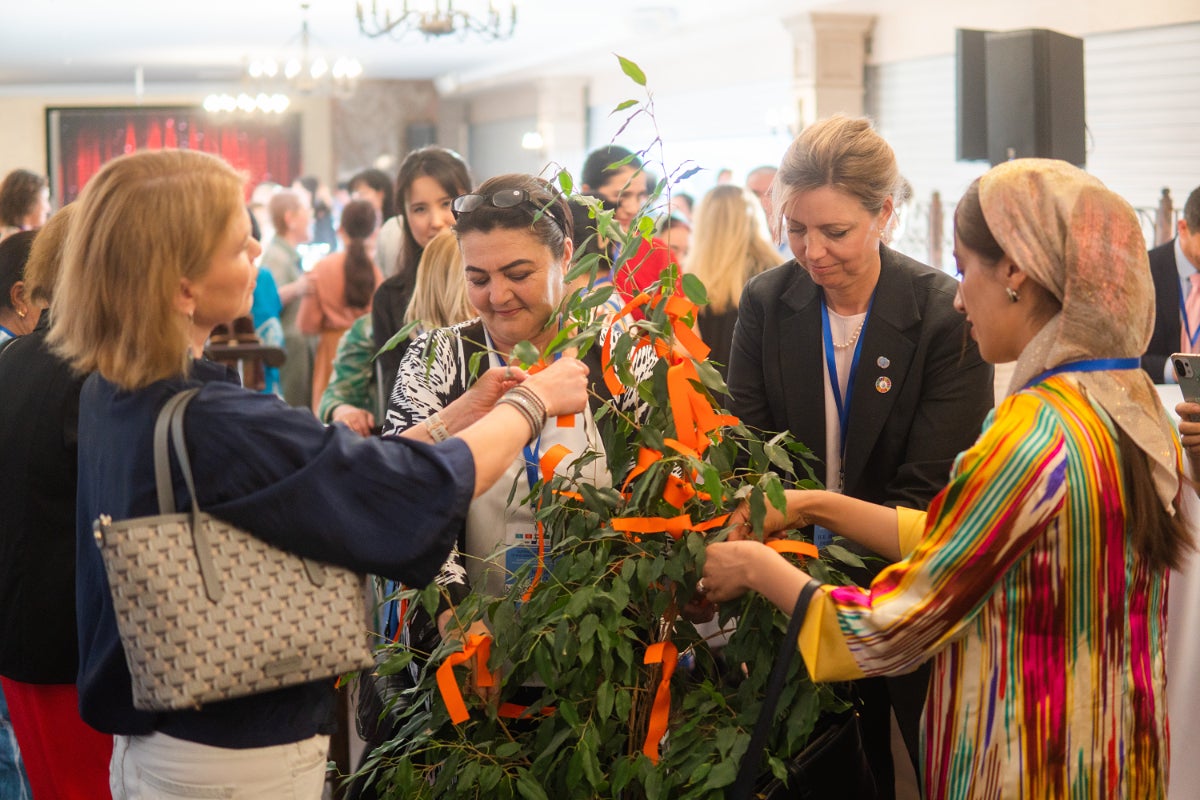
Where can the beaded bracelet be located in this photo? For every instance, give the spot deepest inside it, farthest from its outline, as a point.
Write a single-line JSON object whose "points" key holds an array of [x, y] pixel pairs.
{"points": [[437, 427], [530, 407], [532, 396]]}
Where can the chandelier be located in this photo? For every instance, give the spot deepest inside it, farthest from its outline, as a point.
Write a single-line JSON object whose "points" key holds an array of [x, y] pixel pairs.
{"points": [[436, 18], [306, 72]]}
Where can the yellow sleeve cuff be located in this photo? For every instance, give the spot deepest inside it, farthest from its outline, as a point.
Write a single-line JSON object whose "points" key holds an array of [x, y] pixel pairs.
{"points": [[911, 528], [822, 645]]}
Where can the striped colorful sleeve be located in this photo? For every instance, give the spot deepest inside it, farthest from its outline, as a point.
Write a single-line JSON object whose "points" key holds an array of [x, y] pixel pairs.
{"points": [[1002, 495]]}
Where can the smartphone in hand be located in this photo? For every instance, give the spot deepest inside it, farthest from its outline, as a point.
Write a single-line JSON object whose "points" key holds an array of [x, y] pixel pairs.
{"points": [[1187, 373]]}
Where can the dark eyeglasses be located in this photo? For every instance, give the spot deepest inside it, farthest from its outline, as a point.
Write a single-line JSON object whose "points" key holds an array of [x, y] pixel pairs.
{"points": [[505, 198]]}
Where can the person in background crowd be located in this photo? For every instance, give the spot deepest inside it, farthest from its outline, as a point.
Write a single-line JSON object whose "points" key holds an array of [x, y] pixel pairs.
{"points": [[324, 228], [374, 186], [341, 286], [387, 506], [858, 352], [39, 413], [730, 246], [18, 314], [279, 295], [1175, 266], [24, 202], [682, 204], [623, 190], [428, 181], [1037, 580], [439, 300], [676, 231]]}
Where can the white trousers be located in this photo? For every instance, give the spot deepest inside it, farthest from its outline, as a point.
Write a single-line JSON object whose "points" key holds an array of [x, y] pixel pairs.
{"points": [[161, 767]]}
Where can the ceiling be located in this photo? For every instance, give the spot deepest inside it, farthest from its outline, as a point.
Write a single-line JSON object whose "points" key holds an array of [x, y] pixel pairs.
{"points": [[84, 42]]}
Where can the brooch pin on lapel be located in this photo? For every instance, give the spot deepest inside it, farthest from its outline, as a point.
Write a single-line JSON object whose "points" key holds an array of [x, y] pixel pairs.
{"points": [[883, 385]]}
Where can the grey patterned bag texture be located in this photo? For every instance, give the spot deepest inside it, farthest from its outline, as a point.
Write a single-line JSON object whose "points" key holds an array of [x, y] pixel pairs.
{"points": [[207, 612]]}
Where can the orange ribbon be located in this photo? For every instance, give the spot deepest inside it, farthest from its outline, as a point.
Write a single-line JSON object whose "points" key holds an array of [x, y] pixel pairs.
{"points": [[478, 647], [792, 546], [646, 457], [675, 526], [547, 464], [659, 653]]}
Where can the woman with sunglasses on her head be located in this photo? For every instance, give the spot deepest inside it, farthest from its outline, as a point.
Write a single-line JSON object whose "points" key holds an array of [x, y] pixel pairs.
{"points": [[388, 507], [515, 236], [1037, 580]]}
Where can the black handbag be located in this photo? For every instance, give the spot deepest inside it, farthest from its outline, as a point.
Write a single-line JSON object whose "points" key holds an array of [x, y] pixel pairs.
{"points": [[833, 765]]}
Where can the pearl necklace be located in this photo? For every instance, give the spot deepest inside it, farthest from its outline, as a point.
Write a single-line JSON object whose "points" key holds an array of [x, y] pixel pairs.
{"points": [[853, 337]]}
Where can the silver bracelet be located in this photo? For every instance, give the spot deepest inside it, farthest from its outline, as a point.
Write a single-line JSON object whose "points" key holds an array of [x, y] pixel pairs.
{"points": [[530, 408], [531, 396], [437, 428]]}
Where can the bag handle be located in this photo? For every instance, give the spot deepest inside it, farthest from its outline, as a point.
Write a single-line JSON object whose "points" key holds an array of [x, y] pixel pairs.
{"points": [[171, 418], [743, 787]]}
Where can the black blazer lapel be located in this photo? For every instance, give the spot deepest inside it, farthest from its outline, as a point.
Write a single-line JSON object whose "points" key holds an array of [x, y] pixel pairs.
{"points": [[885, 341], [800, 374]]}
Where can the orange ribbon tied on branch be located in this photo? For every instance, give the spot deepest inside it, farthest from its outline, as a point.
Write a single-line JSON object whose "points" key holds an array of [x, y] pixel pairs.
{"points": [[478, 647], [659, 653], [782, 546]]}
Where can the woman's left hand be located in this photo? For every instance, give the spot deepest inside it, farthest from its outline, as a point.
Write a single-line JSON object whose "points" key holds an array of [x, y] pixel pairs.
{"points": [[481, 397], [356, 419], [728, 567]]}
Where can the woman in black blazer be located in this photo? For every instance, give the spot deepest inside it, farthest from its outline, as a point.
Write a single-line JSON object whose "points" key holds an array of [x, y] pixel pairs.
{"points": [[858, 352]]}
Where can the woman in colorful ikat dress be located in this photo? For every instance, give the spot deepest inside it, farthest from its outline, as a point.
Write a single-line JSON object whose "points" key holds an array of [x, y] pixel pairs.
{"points": [[1037, 579]]}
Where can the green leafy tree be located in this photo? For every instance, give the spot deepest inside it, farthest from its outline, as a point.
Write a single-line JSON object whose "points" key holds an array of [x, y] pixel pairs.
{"points": [[578, 638]]}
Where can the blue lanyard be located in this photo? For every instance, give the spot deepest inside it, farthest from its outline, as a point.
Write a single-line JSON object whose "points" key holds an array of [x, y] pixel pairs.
{"points": [[1087, 365], [529, 451], [1192, 335], [11, 335], [843, 406]]}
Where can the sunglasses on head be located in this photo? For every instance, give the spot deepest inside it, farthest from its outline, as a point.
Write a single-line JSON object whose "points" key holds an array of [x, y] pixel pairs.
{"points": [[505, 198]]}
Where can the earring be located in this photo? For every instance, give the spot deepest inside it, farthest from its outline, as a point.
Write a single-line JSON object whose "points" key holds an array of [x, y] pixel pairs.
{"points": [[1012, 294], [21, 314]]}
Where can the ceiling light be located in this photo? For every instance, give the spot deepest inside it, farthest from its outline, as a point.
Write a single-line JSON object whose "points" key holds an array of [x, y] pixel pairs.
{"points": [[435, 18], [306, 71]]}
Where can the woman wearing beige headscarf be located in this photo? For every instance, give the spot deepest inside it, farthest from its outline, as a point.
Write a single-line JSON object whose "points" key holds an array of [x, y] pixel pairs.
{"points": [[1037, 579]]}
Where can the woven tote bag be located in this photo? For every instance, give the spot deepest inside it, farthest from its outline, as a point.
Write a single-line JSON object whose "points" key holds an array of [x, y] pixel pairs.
{"points": [[207, 612]]}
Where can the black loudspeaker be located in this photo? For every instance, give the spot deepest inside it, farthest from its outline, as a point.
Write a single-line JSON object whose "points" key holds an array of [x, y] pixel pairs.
{"points": [[1035, 100], [970, 84]]}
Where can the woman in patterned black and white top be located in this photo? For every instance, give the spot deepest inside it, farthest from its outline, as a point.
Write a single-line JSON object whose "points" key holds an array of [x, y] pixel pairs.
{"points": [[516, 239]]}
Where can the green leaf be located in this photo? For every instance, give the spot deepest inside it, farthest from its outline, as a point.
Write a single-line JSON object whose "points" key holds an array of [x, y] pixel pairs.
{"points": [[508, 749], [843, 555], [632, 70], [723, 773], [694, 289], [398, 337], [604, 700], [624, 105], [779, 457], [654, 786], [528, 786], [565, 182], [525, 353], [775, 493]]}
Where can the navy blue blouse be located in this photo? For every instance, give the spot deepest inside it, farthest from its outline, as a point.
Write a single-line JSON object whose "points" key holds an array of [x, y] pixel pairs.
{"points": [[387, 506]]}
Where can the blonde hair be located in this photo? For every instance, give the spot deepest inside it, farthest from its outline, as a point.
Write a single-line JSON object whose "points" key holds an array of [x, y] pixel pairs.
{"points": [[45, 258], [145, 222], [842, 152], [730, 244], [440, 294]]}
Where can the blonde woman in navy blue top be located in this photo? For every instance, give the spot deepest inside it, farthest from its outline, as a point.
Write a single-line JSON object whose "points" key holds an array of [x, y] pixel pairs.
{"points": [[143, 300]]}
